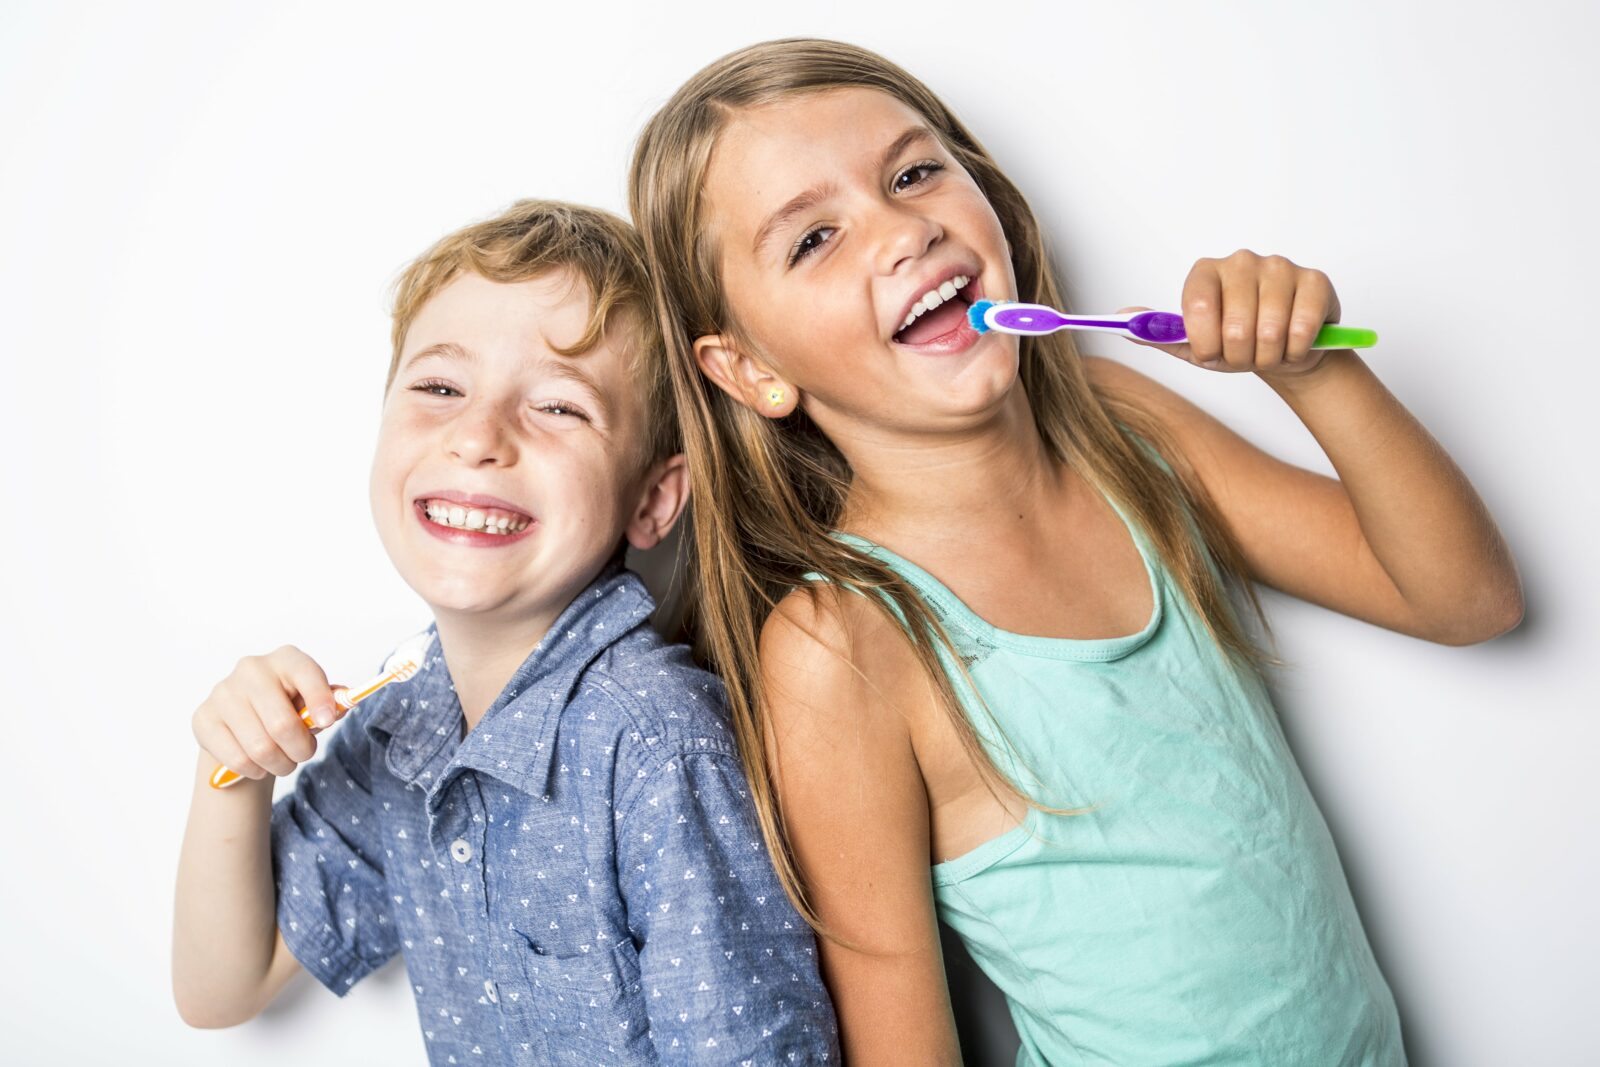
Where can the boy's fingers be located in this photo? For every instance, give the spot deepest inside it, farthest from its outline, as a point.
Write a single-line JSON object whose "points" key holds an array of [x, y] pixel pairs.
{"points": [[263, 749], [302, 676], [218, 740], [283, 723]]}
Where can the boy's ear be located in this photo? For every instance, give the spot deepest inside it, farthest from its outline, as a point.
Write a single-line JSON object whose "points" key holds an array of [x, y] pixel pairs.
{"points": [[661, 501], [740, 376]]}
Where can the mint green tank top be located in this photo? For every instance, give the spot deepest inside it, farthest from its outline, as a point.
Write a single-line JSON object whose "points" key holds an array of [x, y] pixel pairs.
{"points": [[1199, 914]]}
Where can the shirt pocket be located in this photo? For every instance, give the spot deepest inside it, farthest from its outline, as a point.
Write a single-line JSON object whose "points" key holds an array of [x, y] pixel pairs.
{"points": [[588, 998]]}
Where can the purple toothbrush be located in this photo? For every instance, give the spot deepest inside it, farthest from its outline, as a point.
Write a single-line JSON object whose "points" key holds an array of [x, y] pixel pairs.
{"points": [[1158, 327]]}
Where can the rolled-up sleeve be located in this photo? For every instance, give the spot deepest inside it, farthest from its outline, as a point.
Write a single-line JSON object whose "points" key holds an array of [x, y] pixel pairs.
{"points": [[328, 864], [729, 968]]}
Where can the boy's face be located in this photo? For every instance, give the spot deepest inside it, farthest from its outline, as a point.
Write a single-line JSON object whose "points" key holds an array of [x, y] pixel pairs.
{"points": [[506, 473]]}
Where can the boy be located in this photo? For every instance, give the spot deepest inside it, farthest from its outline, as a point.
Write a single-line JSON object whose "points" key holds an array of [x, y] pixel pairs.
{"points": [[549, 821]]}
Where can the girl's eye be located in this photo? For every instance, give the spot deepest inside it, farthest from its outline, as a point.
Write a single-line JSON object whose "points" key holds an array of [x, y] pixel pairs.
{"points": [[809, 242], [565, 410], [434, 387], [927, 166]]}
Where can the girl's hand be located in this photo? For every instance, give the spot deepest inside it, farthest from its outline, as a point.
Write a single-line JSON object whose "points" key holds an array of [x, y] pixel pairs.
{"points": [[251, 723], [1253, 313]]}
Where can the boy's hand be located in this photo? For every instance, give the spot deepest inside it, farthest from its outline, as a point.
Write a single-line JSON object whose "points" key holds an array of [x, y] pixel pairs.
{"points": [[1253, 313], [251, 723]]}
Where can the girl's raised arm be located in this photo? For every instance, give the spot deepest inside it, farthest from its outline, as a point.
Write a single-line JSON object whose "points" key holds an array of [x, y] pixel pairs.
{"points": [[1399, 540], [855, 810]]}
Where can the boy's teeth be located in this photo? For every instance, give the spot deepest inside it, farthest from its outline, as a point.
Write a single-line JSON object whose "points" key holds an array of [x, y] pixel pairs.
{"points": [[488, 520], [934, 297]]}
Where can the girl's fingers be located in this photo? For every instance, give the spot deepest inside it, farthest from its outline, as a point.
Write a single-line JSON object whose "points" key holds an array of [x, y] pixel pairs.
{"points": [[1314, 306], [1240, 293], [1274, 307], [1202, 311]]}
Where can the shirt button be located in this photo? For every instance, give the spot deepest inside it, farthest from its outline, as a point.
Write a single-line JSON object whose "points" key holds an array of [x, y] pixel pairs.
{"points": [[488, 987], [460, 850]]}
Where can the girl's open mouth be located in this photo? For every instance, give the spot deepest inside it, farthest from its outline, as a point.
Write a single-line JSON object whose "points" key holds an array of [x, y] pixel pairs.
{"points": [[942, 329]]}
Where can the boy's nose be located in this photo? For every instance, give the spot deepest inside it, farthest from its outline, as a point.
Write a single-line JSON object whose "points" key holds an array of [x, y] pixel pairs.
{"points": [[479, 439]]}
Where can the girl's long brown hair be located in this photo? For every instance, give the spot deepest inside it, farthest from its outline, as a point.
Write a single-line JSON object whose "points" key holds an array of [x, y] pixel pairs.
{"points": [[768, 493]]}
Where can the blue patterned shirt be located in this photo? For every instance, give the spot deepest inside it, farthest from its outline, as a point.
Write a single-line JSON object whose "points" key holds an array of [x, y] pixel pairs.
{"points": [[579, 880]]}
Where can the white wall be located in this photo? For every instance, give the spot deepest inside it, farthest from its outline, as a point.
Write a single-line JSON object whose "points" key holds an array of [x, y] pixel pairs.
{"points": [[200, 207]]}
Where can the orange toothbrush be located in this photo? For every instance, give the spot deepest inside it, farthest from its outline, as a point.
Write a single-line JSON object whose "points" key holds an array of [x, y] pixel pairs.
{"points": [[404, 662]]}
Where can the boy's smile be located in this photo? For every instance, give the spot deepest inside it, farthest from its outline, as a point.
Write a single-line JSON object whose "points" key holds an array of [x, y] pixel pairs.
{"points": [[506, 474]]}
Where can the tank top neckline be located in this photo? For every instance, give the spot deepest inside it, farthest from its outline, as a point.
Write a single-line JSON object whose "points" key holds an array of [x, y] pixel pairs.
{"points": [[953, 610]]}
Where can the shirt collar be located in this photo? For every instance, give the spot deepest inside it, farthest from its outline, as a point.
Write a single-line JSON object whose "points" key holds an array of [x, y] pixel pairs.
{"points": [[515, 740]]}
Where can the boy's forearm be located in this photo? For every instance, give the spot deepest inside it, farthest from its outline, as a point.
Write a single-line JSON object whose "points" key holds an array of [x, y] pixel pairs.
{"points": [[225, 925], [1421, 517]]}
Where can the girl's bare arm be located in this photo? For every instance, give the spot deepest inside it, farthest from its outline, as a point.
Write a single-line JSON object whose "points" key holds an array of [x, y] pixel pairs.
{"points": [[1400, 539], [856, 812]]}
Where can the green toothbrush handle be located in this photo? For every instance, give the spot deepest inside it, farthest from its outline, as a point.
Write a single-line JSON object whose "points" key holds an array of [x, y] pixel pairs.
{"points": [[1333, 335]]}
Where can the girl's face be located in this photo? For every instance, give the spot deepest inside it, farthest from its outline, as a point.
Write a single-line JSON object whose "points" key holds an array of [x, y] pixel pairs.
{"points": [[835, 214]]}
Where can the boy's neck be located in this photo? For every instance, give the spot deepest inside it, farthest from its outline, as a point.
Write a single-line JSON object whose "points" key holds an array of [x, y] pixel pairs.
{"points": [[969, 488], [483, 654]]}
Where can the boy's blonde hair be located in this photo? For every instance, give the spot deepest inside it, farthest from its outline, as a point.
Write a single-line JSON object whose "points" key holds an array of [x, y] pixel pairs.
{"points": [[769, 493], [538, 237]]}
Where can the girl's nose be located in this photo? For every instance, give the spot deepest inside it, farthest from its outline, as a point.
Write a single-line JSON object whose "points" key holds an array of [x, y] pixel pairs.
{"points": [[903, 234]]}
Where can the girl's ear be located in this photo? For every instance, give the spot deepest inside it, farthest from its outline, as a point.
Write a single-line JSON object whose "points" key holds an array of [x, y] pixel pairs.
{"points": [[661, 501], [743, 378]]}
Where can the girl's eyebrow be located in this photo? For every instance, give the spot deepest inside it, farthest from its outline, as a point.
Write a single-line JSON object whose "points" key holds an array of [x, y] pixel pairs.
{"points": [[781, 218], [817, 193]]}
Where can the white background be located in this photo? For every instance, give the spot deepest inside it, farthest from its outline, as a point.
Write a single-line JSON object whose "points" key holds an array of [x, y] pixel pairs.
{"points": [[201, 208]]}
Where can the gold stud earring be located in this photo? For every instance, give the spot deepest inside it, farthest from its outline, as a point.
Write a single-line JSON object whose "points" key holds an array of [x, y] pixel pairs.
{"points": [[775, 397]]}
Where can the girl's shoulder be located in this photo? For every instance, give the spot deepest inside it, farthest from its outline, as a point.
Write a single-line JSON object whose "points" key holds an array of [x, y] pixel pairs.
{"points": [[833, 635]]}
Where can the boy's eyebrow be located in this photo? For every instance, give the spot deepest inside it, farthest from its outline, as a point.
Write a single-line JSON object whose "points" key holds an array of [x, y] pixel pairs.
{"points": [[571, 372], [811, 197], [444, 349]]}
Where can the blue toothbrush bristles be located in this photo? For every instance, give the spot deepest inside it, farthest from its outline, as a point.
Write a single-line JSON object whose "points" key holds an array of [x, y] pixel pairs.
{"points": [[976, 315]]}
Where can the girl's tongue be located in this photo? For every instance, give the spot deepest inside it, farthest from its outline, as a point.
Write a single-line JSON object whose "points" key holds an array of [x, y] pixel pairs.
{"points": [[934, 324]]}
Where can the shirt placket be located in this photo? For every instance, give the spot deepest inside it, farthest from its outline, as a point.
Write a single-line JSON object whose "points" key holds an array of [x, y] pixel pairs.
{"points": [[458, 834]]}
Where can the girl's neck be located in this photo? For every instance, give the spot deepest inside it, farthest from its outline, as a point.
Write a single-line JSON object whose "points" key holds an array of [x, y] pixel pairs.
{"points": [[483, 656], [967, 489]]}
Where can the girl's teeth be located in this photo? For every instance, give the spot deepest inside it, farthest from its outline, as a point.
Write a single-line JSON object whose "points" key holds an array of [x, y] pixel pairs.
{"points": [[934, 297], [458, 516], [474, 520]]}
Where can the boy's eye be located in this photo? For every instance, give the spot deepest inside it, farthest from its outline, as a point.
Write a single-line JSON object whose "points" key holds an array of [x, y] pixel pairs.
{"points": [[559, 407], [434, 387], [907, 178], [809, 242]]}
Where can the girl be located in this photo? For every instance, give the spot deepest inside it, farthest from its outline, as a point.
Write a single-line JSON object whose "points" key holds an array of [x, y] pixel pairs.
{"points": [[970, 593]]}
